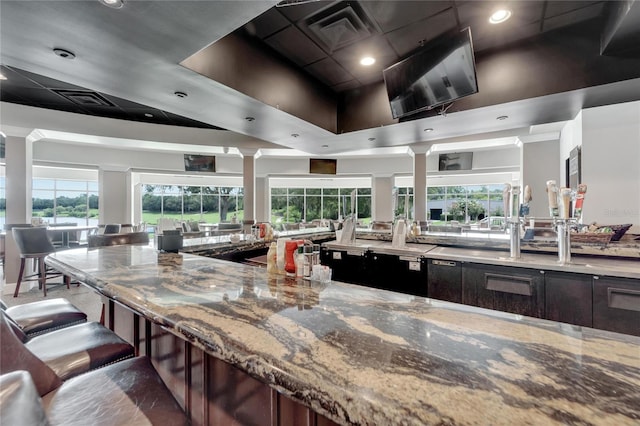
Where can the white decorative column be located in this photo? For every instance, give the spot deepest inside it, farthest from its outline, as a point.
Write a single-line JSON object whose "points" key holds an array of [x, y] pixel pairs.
{"points": [[262, 199], [19, 160], [249, 184], [381, 194], [115, 192], [419, 183]]}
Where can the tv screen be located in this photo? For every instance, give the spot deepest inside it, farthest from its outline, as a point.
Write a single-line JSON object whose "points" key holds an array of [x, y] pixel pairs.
{"points": [[323, 166], [199, 163], [455, 161], [442, 71]]}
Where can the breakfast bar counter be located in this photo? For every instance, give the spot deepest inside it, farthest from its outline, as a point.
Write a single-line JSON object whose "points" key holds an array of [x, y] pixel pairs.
{"points": [[239, 346]]}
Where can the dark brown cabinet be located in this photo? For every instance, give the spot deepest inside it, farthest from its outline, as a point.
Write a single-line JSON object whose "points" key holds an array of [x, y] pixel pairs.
{"points": [[568, 298], [507, 289], [346, 266], [444, 280], [404, 274], [616, 304]]}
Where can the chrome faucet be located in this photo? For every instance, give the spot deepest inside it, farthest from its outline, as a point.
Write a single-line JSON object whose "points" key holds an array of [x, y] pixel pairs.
{"points": [[563, 229]]}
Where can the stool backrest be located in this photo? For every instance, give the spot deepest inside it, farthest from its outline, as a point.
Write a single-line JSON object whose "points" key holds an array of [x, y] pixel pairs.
{"points": [[15, 356], [105, 240], [32, 241], [112, 228], [20, 403]]}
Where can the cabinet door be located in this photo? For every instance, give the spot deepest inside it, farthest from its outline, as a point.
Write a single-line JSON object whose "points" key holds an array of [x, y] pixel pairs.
{"points": [[515, 290], [616, 305], [444, 280], [345, 266], [568, 298], [404, 274]]}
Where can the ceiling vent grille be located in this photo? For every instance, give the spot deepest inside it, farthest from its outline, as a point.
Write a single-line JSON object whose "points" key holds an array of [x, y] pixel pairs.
{"points": [[85, 97], [340, 25]]}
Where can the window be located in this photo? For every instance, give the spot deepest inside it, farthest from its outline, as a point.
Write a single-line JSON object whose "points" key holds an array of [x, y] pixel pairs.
{"points": [[308, 204], [211, 204], [464, 203], [65, 201]]}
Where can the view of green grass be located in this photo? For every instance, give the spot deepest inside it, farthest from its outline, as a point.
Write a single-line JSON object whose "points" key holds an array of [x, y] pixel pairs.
{"points": [[151, 218]]}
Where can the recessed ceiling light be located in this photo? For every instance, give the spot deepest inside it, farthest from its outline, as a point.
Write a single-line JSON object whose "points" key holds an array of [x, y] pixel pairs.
{"points": [[146, 114], [116, 4], [502, 117], [249, 118], [372, 139], [500, 16], [428, 129], [63, 53], [367, 61], [180, 94], [2, 76]]}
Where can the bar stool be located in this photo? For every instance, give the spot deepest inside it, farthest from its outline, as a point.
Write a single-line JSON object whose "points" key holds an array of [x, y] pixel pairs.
{"points": [[44, 316], [33, 243]]}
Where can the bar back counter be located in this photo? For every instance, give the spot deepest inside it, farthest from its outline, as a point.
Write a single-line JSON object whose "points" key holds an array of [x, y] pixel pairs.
{"points": [[239, 346]]}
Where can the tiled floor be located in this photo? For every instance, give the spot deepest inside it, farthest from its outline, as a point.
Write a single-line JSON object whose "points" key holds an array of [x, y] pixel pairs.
{"points": [[83, 297]]}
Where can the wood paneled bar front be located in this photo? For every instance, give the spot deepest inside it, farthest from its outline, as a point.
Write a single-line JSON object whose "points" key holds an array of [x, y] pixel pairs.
{"points": [[239, 346]]}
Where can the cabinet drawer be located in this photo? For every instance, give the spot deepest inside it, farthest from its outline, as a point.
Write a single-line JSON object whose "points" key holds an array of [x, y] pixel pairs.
{"points": [[616, 305], [509, 284]]}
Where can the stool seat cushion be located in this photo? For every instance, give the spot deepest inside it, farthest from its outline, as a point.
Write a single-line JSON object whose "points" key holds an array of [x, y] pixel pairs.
{"points": [[20, 402], [80, 348], [126, 393], [47, 315]]}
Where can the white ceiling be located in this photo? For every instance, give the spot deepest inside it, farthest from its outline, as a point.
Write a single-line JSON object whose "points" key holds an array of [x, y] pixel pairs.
{"points": [[134, 53]]}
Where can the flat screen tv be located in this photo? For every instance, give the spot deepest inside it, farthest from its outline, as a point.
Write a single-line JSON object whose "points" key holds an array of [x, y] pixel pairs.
{"points": [[323, 166], [455, 161], [199, 163], [440, 72]]}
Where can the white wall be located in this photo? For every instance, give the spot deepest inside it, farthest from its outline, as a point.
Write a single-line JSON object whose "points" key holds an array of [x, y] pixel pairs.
{"points": [[570, 137], [75, 154], [484, 159], [540, 164], [611, 164]]}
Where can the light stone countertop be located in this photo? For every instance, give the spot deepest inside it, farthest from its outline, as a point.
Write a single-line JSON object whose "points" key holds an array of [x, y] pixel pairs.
{"points": [[366, 356], [593, 265]]}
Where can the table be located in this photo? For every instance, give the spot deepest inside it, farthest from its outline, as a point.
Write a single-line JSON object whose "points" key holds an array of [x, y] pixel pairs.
{"points": [[235, 343], [66, 230]]}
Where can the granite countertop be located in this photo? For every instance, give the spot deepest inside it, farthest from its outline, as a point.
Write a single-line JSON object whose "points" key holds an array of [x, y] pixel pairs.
{"points": [[626, 249], [594, 265], [367, 356], [581, 265], [221, 244]]}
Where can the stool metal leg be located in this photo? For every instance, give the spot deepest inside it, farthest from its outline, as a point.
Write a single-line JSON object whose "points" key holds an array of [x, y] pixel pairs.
{"points": [[42, 269]]}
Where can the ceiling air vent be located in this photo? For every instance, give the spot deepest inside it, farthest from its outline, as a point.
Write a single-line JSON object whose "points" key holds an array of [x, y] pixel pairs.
{"points": [[340, 25], [85, 97]]}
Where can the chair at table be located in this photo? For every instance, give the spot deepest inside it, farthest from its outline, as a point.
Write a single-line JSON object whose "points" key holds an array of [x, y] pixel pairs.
{"points": [[34, 243], [112, 228]]}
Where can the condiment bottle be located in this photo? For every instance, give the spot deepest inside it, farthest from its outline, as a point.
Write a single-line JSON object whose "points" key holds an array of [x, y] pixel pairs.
{"points": [[290, 248], [300, 262], [272, 256]]}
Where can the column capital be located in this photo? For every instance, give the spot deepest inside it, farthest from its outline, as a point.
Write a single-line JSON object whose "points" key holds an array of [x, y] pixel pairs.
{"points": [[422, 148], [248, 152]]}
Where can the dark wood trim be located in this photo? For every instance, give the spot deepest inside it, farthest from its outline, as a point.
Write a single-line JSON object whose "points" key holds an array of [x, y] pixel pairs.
{"points": [[211, 391]]}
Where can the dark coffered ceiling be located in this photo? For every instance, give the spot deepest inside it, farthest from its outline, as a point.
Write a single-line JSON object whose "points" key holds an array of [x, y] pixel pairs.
{"points": [[134, 59], [328, 38], [26, 88]]}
